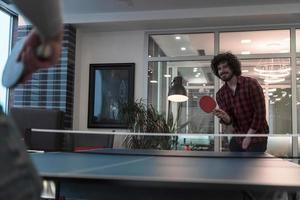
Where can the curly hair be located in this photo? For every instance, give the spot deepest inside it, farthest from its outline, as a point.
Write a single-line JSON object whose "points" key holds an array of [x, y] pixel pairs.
{"points": [[232, 61]]}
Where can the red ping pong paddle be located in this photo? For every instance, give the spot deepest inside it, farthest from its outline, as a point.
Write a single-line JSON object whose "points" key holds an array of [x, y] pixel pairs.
{"points": [[207, 104]]}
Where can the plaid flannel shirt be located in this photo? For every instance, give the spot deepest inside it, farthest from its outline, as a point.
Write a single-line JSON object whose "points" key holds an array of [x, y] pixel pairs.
{"points": [[246, 107]]}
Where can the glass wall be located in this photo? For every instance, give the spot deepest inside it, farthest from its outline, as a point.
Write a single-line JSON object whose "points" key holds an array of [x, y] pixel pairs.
{"points": [[298, 95], [265, 56], [298, 76], [275, 78], [175, 45], [5, 34], [255, 42], [298, 83], [198, 81], [298, 40], [273, 74]]}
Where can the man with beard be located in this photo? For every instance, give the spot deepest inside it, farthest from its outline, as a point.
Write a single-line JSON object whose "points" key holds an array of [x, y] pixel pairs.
{"points": [[241, 104]]}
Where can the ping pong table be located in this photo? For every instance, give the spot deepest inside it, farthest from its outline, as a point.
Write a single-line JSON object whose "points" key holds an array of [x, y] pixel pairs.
{"points": [[154, 174]]}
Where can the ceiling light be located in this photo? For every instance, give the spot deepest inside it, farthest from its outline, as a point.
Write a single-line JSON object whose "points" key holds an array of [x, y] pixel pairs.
{"points": [[167, 75], [297, 79], [284, 93], [183, 48], [177, 37], [195, 69], [272, 90], [149, 56], [277, 99], [153, 81], [177, 98], [245, 52], [197, 75], [246, 41], [274, 80], [284, 51], [274, 75], [275, 44], [270, 94], [272, 102], [280, 70], [245, 70], [273, 72], [177, 92]]}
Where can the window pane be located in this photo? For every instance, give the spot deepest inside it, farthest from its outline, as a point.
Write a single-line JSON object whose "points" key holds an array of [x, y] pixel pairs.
{"points": [[298, 40], [199, 44], [298, 96], [274, 75], [256, 42], [275, 78], [198, 81], [4, 50], [298, 93]]}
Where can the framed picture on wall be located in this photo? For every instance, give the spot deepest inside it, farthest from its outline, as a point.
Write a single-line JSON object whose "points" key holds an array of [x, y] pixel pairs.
{"points": [[110, 86]]}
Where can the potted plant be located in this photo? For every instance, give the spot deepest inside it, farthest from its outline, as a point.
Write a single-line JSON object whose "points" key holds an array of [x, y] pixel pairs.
{"points": [[145, 118]]}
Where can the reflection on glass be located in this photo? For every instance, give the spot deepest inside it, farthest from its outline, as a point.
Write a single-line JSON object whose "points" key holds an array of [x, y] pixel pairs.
{"points": [[196, 143], [298, 40], [49, 189], [173, 45], [298, 92], [111, 91], [274, 75], [298, 148], [255, 42], [159, 79], [198, 81], [280, 146]]}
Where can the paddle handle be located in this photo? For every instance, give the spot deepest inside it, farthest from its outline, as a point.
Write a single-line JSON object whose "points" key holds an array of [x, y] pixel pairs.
{"points": [[44, 51]]}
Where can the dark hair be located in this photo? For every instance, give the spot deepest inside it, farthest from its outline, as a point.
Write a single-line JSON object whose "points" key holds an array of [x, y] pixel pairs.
{"points": [[232, 61]]}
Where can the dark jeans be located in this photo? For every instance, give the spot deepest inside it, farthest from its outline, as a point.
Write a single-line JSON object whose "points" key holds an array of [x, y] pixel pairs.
{"points": [[253, 147], [18, 177]]}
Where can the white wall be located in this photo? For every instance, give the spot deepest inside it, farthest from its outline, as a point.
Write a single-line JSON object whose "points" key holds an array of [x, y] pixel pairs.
{"points": [[105, 47]]}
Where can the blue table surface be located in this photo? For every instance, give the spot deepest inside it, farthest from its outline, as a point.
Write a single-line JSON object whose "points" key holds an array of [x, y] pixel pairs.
{"points": [[223, 168]]}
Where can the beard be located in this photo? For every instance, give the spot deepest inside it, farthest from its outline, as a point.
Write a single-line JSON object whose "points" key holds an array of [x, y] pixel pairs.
{"points": [[228, 76]]}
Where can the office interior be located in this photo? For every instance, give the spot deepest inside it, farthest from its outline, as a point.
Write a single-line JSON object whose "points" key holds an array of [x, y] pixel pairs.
{"points": [[164, 40]]}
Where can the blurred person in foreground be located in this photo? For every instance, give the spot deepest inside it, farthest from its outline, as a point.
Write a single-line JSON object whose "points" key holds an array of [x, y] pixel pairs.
{"points": [[19, 179]]}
